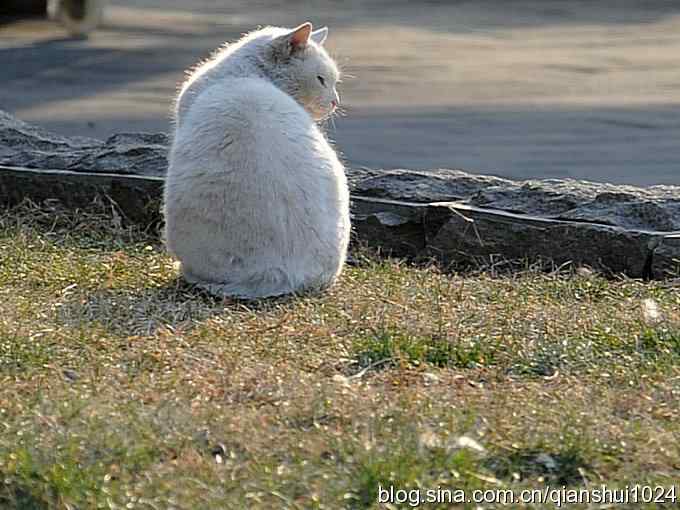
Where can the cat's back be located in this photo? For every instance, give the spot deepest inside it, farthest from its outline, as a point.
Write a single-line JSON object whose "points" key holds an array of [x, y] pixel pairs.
{"points": [[228, 62], [250, 117]]}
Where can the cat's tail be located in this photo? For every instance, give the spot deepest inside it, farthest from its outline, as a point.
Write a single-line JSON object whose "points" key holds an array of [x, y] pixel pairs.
{"points": [[268, 283]]}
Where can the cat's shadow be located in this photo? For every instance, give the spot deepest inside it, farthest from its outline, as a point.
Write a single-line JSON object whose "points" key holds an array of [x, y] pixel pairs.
{"points": [[176, 305]]}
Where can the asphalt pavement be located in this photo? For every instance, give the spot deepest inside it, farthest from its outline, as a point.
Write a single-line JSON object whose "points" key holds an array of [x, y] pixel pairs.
{"points": [[522, 89]]}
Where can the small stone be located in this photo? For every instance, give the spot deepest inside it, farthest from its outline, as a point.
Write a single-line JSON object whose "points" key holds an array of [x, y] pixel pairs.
{"points": [[650, 311], [469, 443], [219, 450], [341, 379], [431, 378], [547, 461], [584, 272], [70, 375]]}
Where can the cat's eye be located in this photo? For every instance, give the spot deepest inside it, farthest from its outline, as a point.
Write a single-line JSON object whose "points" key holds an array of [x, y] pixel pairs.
{"points": [[322, 80]]}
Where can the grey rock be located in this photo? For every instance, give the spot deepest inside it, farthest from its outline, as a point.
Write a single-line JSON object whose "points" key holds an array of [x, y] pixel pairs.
{"points": [[655, 208], [459, 234], [138, 198], [666, 257], [27, 146], [449, 215], [486, 237], [395, 228], [421, 186]]}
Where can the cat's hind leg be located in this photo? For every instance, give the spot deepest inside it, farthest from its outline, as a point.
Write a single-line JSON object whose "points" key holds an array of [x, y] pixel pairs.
{"points": [[267, 283]]}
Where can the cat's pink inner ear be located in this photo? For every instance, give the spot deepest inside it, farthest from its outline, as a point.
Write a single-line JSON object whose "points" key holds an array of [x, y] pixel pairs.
{"points": [[300, 35]]}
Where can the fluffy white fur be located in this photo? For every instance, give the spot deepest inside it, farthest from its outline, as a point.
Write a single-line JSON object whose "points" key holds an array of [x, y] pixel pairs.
{"points": [[256, 200]]}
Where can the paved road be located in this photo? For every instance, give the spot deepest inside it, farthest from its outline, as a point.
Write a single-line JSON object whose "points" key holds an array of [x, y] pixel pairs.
{"points": [[515, 88]]}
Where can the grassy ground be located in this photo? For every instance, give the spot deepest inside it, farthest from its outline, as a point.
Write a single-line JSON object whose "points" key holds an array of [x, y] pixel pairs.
{"points": [[120, 387]]}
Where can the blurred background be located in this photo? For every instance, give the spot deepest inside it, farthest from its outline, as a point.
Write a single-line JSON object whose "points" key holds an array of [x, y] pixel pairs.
{"points": [[521, 89]]}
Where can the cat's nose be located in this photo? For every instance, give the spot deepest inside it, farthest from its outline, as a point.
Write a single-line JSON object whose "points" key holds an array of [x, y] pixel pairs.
{"points": [[334, 104]]}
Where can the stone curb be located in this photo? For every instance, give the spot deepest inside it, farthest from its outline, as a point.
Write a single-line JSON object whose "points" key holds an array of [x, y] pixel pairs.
{"points": [[449, 232], [448, 215]]}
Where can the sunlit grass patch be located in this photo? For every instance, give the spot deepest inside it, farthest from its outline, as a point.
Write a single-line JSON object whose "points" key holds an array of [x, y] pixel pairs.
{"points": [[554, 464], [20, 354], [658, 343], [121, 385], [390, 347]]}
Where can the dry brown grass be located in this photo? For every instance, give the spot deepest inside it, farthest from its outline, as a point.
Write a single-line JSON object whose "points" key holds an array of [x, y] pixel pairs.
{"points": [[121, 387]]}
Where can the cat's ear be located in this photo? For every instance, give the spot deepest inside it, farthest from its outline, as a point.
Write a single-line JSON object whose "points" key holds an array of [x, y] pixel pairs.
{"points": [[293, 42], [299, 37], [319, 36]]}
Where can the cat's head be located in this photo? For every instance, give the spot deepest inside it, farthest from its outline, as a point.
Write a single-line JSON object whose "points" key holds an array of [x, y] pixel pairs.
{"points": [[300, 66]]}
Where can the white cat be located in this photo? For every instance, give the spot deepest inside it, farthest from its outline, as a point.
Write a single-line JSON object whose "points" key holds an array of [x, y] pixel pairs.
{"points": [[256, 201]]}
